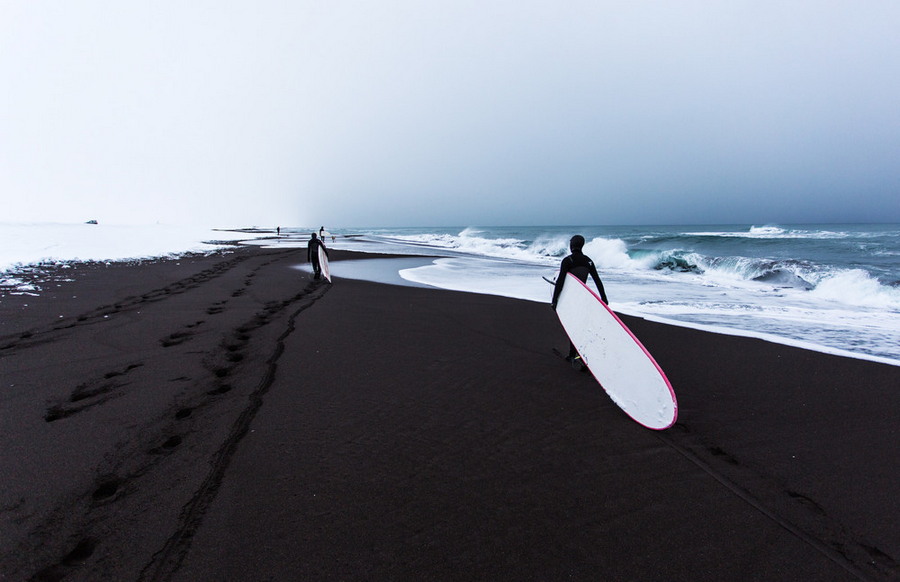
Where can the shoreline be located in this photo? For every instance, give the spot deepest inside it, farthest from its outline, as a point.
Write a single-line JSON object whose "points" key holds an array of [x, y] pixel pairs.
{"points": [[358, 255], [772, 338], [225, 417], [60, 273], [50, 273]]}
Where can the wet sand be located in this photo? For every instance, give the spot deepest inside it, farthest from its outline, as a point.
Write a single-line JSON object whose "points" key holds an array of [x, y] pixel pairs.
{"points": [[227, 418]]}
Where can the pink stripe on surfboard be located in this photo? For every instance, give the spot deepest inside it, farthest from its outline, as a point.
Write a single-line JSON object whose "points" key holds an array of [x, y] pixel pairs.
{"points": [[646, 353]]}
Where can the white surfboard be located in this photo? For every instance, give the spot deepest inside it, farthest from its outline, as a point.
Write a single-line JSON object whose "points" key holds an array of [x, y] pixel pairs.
{"points": [[616, 358], [323, 262]]}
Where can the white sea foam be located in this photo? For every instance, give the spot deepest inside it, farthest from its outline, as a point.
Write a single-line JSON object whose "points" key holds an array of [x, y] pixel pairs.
{"points": [[549, 246], [779, 282], [766, 230], [790, 299], [857, 287], [611, 254], [710, 271], [791, 316], [773, 232], [469, 242]]}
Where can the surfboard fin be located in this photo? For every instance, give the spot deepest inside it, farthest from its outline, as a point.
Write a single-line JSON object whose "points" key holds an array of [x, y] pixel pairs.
{"points": [[578, 364]]}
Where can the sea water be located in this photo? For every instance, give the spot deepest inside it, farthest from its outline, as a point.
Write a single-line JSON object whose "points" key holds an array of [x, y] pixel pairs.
{"points": [[833, 288]]}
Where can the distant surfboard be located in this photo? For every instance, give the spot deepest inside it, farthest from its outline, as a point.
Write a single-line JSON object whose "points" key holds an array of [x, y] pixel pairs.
{"points": [[616, 358], [323, 262]]}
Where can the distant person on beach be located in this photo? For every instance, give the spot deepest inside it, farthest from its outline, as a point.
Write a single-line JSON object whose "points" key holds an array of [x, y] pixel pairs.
{"points": [[312, 254], [581, 266], [322, 232], [278, 230]]}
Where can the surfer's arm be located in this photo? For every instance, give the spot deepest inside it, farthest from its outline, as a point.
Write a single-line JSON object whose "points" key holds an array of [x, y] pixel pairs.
{"points": [[596, 276], [560, 281], [556, 291]]}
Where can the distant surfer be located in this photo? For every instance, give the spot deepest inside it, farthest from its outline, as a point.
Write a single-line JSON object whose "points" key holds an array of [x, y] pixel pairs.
{"points": [[312, 254], [581, 266], [322, 232]]}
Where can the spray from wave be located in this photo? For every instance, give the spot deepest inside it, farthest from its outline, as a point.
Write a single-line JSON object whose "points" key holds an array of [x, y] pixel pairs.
{"points": [[857, 287]]}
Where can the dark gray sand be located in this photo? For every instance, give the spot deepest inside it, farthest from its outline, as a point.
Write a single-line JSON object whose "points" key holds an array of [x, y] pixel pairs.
{"points": [[227, 418]]}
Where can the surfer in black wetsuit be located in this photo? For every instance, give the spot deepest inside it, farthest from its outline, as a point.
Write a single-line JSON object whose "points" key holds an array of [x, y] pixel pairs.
{"points": [[581, 266], [312, 254]]}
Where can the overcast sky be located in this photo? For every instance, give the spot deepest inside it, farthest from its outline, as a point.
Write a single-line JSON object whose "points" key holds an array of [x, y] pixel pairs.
{"points": [[458, 112]]}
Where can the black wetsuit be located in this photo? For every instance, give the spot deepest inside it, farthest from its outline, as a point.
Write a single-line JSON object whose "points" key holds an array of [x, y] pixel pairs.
{"points": [[312, 255], [581, 266]]}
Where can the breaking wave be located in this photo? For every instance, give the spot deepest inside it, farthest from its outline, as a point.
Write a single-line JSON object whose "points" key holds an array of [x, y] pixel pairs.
{"points": [[773, 232], [857, 287], [848, 286]]}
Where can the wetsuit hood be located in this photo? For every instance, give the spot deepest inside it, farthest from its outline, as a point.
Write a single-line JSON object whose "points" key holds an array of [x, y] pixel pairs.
{"points": [[576, 243]]}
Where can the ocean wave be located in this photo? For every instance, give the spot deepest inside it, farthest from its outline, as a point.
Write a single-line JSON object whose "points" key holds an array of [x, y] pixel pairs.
{"points": [[766, 230], [556, 246], [773, 232], [470, 241], [856, 287], [543, 249], [677, 261], [610, 253], [613, 254], [754, 269], [842, 293], [849, 286]]}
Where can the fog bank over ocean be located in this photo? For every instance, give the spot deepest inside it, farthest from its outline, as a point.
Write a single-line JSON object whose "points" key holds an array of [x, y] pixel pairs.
{"points": [[27, 246]]}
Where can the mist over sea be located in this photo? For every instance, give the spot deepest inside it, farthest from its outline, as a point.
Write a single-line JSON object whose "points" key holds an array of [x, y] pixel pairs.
{"points": [[833, 288]]}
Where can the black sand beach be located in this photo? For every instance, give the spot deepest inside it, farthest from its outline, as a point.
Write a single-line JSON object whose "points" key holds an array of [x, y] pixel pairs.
{"points": [[226, 418]]}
